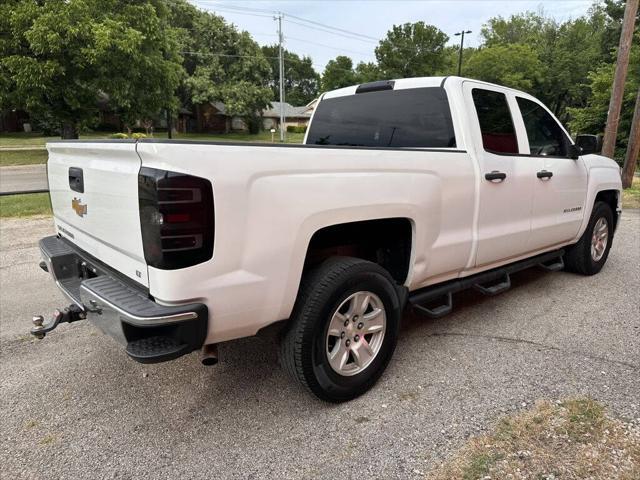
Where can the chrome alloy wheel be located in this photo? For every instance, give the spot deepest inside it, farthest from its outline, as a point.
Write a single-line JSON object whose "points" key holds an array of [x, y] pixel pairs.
{"points": [[356, 333], [599, 239]]}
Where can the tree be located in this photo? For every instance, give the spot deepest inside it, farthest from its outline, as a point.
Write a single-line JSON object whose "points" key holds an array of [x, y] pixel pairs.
{"points": [[593, 116], [338, 73], [412, 50], [560, 81], [222, 64], [301, 81], [525, 28], [57, 57], [367, 72], [515, 66]]}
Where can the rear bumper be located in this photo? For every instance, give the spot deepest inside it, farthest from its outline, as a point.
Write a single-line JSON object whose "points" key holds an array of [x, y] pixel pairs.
{"points": [[149, 331]]}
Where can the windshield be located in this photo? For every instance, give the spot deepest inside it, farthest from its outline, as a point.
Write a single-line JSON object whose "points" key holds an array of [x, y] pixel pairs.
{"points": [[416, 117]]}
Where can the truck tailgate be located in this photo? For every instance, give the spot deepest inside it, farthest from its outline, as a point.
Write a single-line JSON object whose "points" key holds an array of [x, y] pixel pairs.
{"points": [[94, 195]]}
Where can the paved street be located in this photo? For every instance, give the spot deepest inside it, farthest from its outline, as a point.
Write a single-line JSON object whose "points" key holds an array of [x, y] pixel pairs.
{"points": [[74, 406], [24, 177]]}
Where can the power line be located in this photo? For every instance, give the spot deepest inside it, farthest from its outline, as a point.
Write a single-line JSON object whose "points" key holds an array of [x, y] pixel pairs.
{"points": [[236, 7], [263, 11], [328, 46], [329, 31], [207, 54], [312, 24], [217, 9], [334, 28]]}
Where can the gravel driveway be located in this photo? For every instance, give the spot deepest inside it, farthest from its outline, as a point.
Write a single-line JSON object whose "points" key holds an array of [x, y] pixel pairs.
{"points": [[74, 406]]}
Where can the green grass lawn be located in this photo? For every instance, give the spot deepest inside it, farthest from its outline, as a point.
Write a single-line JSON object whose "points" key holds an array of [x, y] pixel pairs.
{"points": [[29, 157], [22, 157], [8, 140], [631, 196], [576, 438], [237, 137], [24, 205]]}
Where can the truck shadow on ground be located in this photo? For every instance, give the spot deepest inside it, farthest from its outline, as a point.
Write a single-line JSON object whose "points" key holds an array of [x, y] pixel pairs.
{"points": [[252, 363], [470, 301], [248, 371]]}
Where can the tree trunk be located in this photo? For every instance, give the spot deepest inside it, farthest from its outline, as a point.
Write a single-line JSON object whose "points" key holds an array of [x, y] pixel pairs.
{"points": [[633, 147], [617, 89], [69, 130]]}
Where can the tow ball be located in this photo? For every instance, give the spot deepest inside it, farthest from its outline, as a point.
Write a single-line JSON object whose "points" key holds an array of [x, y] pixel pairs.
{"points": [[71, 314]]}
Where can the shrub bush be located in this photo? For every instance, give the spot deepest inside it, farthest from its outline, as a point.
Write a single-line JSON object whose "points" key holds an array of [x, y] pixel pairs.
{"points": [[296, 128], [137, 135], [118, 135]]}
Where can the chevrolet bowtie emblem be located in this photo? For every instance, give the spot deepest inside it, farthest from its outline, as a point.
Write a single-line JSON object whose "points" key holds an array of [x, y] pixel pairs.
{"points": [[79, 208]]}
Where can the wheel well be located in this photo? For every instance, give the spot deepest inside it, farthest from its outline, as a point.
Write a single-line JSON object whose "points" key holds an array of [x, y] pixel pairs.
{"points": [[386, 242], [610, 197]]}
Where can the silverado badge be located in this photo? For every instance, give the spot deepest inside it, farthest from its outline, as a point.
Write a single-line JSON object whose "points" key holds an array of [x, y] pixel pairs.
{"points": [[79, 208]]}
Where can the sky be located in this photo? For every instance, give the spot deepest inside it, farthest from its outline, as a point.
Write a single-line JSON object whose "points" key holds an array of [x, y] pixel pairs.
{"points": [[372, 18]]}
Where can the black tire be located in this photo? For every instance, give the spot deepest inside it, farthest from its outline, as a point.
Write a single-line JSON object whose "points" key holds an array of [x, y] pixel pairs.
{"points": [[578, 257], [303, 348]]}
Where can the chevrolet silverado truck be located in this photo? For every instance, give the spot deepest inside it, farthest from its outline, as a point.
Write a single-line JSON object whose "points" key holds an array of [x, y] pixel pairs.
{"points": [[403, 193]]}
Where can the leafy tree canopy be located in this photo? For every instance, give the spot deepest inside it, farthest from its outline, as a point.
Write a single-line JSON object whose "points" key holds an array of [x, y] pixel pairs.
{"points": [[57, 57], [515, 66], [338, 73], [222, 63], [592, 118], [301, 81], [412, 50], [368, 72], [560, 72]]}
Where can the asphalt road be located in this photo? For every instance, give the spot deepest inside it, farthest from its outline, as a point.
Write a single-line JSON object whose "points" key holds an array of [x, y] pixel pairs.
{"points": [[24, 177], [74, 406]]}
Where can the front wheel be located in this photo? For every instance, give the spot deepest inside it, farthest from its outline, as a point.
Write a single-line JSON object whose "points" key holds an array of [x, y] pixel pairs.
{"points": [[343, 328], [589, 255]]}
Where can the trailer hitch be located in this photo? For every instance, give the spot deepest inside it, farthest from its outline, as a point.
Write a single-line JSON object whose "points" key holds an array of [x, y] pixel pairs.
{"points": [[71, 314]]}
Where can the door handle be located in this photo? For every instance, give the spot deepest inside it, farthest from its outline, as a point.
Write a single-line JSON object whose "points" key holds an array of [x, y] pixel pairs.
{"points": [[495, 176], [544, 174], [76, 179]]}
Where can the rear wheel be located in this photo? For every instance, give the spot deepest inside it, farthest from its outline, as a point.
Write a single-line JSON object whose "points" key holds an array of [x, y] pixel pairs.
{"points": [[589, 255], [343, 329]]}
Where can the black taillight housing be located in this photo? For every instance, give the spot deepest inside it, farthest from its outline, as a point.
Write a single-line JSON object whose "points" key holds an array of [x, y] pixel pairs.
{"points": [[176, 217]]}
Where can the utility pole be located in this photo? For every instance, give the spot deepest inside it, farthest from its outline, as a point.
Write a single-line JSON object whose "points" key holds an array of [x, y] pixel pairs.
{"points": [[617, 91], [281, 69], [461, 34], [633, 147]]}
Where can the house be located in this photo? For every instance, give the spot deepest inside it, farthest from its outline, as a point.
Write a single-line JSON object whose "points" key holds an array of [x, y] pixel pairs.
{"points": [[296, 116], [212, 117], [14, 121]]}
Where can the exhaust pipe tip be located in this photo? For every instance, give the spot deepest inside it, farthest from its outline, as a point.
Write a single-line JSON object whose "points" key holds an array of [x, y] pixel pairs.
{"points": [[209, 354]]}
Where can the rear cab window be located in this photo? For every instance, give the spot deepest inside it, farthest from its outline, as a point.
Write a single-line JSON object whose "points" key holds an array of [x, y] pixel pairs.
{"points": [[415, 117], [496, 124]]}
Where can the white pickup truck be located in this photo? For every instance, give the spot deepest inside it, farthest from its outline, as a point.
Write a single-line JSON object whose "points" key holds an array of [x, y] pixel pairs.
{"points": [[404, 192]]}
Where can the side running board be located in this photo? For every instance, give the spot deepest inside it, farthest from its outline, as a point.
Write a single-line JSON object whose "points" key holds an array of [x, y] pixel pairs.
{"points": [[436, 301], [502, 285], [437, 310], [553, 265]]}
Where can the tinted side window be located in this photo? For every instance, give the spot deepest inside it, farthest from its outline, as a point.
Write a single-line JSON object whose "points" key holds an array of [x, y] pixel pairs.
{"points": [[416, 117], [545, 135], [496, 124]]}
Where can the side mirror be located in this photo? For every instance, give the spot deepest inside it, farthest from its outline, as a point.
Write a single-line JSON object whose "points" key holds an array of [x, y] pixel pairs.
{"points": [[574, 152], [589, 143]]}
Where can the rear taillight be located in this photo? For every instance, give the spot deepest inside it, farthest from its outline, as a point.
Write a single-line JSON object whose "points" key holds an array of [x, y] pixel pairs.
{"points": [[176, 216]]}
